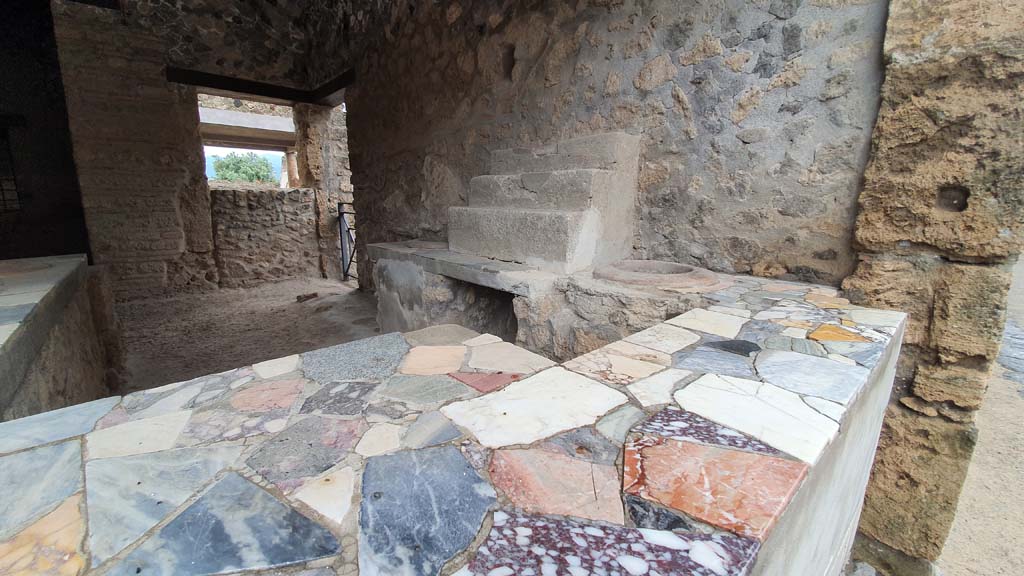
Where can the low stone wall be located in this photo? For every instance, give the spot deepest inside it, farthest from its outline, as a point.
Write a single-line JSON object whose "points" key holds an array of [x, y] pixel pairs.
{"points": [[263, 234]]}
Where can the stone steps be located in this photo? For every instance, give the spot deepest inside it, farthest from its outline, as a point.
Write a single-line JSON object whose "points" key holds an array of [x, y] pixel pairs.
{"points": [[610, 151], [558, 240], [556, 190]]}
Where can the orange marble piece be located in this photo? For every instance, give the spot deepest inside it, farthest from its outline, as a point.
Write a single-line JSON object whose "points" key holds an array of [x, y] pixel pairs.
{"points": [[546, 482], [48, 547], [833, 333], [433, 360], [742, 492], [823, 301], [268, 396]]}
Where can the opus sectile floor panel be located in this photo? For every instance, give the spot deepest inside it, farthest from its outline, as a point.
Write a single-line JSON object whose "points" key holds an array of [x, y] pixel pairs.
{"points": [[672, 452]]}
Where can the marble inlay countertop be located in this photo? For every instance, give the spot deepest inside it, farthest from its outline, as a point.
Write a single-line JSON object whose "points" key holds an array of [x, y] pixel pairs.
{"points": [[672, 452]]}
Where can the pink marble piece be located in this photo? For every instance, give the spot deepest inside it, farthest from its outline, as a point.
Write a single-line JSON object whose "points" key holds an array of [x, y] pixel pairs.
{"points": [[742, 492], [547, 482], [485, 382], [521, 544], [275, 395]]}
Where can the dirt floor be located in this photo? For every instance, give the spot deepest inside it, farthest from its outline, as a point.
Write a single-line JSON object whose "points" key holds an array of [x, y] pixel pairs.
{"points": [[988, 534], [174, 339]]}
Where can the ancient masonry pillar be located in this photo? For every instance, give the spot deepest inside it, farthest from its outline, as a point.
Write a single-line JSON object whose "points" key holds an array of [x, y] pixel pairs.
{"points": [[292, 168], [939, 226]]}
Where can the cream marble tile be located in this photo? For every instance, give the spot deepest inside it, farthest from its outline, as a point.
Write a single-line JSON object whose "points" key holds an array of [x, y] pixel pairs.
{"points": [[664, 338], [137, 436], [433, 360], [774, 416], [330, 494], [724, 325], [657, 389], [277, 367], [638, 352], [481, 340], [610, 368], [870, 317], [382, 438], [506, 357], [537, 407]]}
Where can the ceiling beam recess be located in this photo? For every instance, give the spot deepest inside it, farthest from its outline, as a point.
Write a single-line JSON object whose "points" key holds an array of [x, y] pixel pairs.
{"points": [[331, 93]]}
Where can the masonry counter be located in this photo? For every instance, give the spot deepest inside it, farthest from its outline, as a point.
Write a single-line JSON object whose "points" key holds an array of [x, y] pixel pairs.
{"points": [[733, 439]]}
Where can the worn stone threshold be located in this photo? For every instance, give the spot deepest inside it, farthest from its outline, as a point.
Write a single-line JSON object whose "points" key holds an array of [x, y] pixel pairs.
{"points": [[701, 445]]}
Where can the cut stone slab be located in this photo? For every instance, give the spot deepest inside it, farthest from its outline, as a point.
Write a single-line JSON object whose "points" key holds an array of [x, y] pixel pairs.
{"points": [[608, 367], [367, 359], [423, 392], [430, 429], [742, 492], [35, 482], [419, 508], [50, 546], [330, 494], [537, 407], [128, 496], [707, 360], [236, 525], [433, 360], [382, 438], [513, 542], [812, 376], [506, 357], [481, 340], [831, 409], [658, 388], [54, 425], [305, 449], [689, 427], [616, 424], [540, 481], [276, 367], [724, 325], [440, 335], [137, 436], [770, 414], [341, 399], [485, 382], [664, 338]]}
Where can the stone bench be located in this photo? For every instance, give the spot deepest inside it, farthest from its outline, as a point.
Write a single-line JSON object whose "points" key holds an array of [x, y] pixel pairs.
{"points": [[733, 439]]}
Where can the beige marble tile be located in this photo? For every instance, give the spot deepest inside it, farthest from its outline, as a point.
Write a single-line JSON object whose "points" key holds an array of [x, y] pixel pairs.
{"points": [[330, 494], [506, 357], [137, 436], [611, 368], [433, 360], [724, 325], [277, 366], [657, 388], [663, 338], [381, 439]]}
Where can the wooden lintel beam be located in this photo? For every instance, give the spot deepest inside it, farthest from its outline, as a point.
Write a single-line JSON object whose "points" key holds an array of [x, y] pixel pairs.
{"points": [[329, 94]]}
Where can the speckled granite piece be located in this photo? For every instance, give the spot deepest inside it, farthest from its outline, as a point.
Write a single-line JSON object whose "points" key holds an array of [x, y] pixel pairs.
{"points": [[34, 482], [368, 359], [236, 525], [343, 399], [521, 544], [687, 426], [713, 361], [54, 425], [304, 449], [419, 508], [127, 496]]}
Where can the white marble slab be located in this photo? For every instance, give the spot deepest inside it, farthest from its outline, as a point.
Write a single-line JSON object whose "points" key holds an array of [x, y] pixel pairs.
{"points": [[137, 436], [657, 389], [811, 375], [664, 338], [724, 325]]}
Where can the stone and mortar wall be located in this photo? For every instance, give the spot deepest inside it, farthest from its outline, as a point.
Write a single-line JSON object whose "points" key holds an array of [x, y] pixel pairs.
{"points": [[755, 117], [262, 234], [239, 105], [138, 155], [940, 223]]}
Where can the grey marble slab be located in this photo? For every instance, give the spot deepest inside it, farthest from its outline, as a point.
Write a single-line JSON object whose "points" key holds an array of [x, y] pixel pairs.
{"points": [[367, 359], [236, 525], [424, 392], [343, 399], [53, 425], [430, 429], [708, 360], [419, 508], [864, 353], [811, 375], [128, 496], [14, 314], [34, 482], [586, 444]]}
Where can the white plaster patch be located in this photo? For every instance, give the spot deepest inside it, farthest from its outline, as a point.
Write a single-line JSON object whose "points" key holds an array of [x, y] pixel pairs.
{"points": [[534, 408]]}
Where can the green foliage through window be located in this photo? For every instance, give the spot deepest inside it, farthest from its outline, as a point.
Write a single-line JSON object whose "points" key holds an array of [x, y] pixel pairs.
{"points": [[247, 167]]}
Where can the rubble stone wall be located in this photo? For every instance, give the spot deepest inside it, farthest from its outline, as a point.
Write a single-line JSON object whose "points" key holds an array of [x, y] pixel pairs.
{"points": [[263, 234], [755, 117], [939, 225]]}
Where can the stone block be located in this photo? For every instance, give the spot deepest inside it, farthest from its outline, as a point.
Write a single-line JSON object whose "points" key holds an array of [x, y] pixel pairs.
{"points": [[970, 311], [960, 385], [608, 151], [558, 190], [915, 484]]}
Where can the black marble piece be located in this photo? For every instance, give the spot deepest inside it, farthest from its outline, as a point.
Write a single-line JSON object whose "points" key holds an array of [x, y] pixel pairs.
{"points": [[341, 398], [646, 514], [741, 347], [236, 525], [419, 509]]}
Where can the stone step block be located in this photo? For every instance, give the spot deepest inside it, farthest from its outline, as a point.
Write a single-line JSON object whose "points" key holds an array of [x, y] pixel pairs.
{"points": [[608, 151], [556, 240], [556, 190]]}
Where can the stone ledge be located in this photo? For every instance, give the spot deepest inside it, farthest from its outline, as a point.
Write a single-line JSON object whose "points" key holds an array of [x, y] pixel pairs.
{"points": [[730, 440]]}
